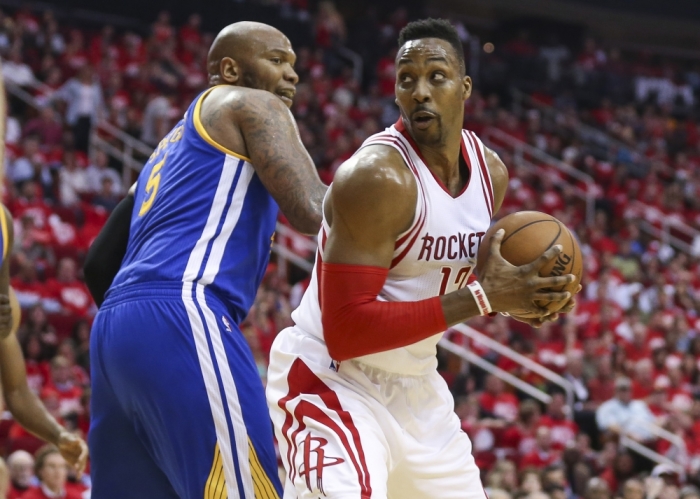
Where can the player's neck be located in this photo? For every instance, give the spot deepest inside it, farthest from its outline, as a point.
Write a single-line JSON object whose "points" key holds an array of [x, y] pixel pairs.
{"points": [[443, 161]]}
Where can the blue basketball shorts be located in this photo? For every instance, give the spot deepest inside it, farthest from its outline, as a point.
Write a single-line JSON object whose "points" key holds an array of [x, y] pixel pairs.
{"points": [[178, 408]]}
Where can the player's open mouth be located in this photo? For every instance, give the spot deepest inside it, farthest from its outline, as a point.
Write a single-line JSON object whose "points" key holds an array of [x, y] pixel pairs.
{"points": [[286, 95], [423, 119]]}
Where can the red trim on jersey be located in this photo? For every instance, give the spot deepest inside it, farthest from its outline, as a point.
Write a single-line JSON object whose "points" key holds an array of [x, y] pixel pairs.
{"points": [[301, 380], [389, 139], [356, 323], [484, 168], [487, 199], [421, 223], [319, 261], [408, 247]]}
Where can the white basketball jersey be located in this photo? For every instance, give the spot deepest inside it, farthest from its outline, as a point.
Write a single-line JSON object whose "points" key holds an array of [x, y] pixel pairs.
{"points": [[434, 256]]}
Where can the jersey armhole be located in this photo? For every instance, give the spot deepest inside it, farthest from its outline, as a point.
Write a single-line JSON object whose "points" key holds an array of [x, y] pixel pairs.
{"points": [[199, 126]]}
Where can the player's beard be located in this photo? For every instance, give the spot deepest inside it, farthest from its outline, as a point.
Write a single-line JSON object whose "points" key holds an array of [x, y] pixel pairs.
{"points": [[250, 80]]}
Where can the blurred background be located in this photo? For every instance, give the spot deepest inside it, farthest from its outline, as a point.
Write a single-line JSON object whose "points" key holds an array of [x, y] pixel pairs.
{"points": [[592, 105]]}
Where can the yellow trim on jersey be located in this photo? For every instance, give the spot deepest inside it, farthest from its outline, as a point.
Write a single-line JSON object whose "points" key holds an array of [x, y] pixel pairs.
{"points": [[215, 488], [3, 223], [203, 132], [262, 483]]}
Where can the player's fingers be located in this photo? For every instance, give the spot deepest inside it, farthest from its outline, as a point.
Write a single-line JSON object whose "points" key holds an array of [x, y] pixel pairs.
{"points": [[578, 289], [555, 281], [568, 307], [551, 296], [496, 239], [4, 299], [548, 255]]}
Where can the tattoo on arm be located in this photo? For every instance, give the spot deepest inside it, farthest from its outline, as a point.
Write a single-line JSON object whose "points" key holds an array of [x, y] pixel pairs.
{"points": [[280, 159]]}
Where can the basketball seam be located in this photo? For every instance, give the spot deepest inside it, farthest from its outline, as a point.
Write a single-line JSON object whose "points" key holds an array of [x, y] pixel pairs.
{"points": [[526, 226]]}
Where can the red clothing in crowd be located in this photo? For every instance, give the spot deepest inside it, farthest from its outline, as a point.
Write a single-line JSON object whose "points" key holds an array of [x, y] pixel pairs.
{"points": [[539, 459], [14, 493], [37, 493], [504, 405], [563, 431], [73, 296]]}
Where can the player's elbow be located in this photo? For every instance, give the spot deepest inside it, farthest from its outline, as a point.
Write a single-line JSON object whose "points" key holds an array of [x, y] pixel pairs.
{"points": [[336, 337]]}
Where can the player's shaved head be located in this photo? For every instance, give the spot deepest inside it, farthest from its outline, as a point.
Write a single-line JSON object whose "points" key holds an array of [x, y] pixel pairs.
{"points": [[238, 42]]}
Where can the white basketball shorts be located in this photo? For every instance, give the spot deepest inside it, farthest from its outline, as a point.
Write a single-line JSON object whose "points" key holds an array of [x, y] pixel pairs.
{"points": [[351, 431]]}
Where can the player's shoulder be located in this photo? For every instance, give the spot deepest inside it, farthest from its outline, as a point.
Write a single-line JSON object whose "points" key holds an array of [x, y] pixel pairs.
{"points": [[240, 99], [375, 167]]}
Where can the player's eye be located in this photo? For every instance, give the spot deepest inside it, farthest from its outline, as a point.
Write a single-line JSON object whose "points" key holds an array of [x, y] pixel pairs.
{"points": [[276, 60], [439, 76], [404, 78]]}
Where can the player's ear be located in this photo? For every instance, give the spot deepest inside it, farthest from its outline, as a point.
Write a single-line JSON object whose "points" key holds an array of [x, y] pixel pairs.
{"points": [[466, 87], [229, 70]]}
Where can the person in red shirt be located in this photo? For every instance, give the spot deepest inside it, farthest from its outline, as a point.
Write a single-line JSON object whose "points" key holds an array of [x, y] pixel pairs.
{"points": [[67, 290], [69, 394], [498, 402], [563, 430], [602, 387], [643, 382], [544, 454], [21, 467], [52, 471]]}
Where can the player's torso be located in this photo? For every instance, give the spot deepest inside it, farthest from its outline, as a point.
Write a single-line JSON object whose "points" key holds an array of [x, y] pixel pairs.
{"points": [[201, 215], [434, 256]]}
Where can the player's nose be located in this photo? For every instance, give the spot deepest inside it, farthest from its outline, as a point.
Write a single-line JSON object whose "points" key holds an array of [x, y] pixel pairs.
{"points": [[291, 76], [421, 91]]}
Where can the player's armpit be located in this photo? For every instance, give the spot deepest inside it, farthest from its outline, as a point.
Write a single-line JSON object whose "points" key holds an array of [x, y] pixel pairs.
{"points": [[499, 177], [106, 253], [280, 159]]}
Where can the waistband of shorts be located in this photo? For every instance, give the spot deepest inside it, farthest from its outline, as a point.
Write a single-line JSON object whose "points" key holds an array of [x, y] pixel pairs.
{"points": [[159, 290]]}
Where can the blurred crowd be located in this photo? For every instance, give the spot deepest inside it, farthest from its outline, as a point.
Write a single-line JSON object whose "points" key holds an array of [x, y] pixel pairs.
{"points": [[631, 349]]}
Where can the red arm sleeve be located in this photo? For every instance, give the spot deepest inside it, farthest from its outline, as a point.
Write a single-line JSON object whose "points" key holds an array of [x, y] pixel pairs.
{"points": [[355, 323]]}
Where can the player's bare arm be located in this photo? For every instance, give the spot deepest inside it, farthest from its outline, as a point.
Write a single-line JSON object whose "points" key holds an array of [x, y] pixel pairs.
{"points": [[28, 410], [259, 125], [6, 318]]}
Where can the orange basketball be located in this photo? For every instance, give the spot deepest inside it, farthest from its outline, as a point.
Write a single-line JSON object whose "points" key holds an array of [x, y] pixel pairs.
{"points": [[528, 235]]}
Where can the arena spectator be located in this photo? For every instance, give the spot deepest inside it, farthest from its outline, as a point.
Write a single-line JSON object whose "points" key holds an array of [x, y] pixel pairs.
{"points": [[543, 454], [85, 104], [495, 400], [622, 415], [16, 71], [73, 180], [63, 383], [21, 468], [52, 472], [68, 292], [46, 127], [98, 170]]}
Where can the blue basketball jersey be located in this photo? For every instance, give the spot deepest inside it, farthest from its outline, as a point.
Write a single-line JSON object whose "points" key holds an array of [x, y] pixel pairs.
{"points": [[201, 216]]}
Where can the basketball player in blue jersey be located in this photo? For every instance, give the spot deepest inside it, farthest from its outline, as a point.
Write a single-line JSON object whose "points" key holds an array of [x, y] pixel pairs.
{"points": [[178, 407], [22, 403]]}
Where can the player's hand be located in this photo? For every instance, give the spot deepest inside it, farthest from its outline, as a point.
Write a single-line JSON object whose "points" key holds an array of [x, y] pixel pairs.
{"points": [[537, 322], [74, 450], [5, 316], [517, 289]]}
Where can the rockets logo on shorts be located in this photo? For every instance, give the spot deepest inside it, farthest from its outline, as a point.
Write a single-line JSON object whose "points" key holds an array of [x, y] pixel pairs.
{"points": [[315, 445]]}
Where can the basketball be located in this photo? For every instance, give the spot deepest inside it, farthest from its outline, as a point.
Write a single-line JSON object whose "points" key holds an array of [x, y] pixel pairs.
{"points": [[528, 235]]}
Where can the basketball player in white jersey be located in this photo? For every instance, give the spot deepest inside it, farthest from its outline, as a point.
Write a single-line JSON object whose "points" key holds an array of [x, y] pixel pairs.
{"points": [[358, 406]]}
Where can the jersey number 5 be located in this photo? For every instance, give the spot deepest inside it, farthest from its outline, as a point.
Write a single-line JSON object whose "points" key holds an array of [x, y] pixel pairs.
{"points": [[460, 278], [152, 186]]}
